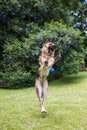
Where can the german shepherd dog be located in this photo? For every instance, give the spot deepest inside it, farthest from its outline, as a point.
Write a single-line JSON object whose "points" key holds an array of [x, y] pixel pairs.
{"points": [[46, 61]]}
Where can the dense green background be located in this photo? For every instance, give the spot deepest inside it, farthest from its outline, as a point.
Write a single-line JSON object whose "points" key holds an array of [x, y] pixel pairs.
{"points": [[25, 26]]}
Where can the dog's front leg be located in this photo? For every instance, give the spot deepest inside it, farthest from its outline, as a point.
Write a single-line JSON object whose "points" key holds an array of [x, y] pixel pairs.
{"points": [[57, 58], [51, 63]]}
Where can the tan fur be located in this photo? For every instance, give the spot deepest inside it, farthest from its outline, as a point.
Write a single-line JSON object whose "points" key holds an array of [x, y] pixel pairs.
{"points": [[46, 61]]}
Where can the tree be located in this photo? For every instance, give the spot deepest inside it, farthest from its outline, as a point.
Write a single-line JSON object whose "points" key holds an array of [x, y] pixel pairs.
{"points": [[24, 24], [23, 57]]}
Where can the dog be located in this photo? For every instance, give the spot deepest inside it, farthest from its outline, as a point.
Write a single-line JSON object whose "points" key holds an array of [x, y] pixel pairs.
{"points": [[46, 61]]}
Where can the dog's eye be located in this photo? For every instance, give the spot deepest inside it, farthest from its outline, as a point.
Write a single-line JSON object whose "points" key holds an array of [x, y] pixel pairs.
{"points": [[39, 66]]}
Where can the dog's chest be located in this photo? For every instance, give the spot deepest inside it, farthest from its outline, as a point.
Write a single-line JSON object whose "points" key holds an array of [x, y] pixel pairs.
{"points": [[44, 72], [45, 69]]}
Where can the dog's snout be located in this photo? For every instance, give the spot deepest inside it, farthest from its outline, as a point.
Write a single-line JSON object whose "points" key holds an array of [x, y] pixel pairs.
{"points": [[53, 46]]}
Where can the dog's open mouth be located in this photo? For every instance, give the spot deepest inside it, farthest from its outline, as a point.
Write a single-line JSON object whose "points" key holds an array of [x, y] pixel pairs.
{"points": [[51, 49]]}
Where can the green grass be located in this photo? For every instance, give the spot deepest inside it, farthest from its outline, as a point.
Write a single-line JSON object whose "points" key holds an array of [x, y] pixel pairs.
{"points": [[66, 105]]}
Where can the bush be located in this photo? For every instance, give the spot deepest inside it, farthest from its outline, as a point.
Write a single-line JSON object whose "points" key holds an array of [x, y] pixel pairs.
{"points": [[17, 79], [24, 55]]}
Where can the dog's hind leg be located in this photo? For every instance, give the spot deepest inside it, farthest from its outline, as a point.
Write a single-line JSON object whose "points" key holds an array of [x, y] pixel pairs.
{"points": [[39, 92], [45, 90]]}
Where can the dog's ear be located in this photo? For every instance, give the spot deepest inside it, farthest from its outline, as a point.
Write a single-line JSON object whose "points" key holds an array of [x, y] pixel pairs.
{"points": [[48, 40]]}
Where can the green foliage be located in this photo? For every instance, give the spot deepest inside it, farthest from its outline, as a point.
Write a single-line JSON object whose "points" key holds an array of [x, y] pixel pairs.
{"points": [[24, 27], [69, 45], [16, 79], [22, 57]]}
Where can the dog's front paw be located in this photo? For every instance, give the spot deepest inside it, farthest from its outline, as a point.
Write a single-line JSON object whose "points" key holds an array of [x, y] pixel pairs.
{"points": [[46, 63], [57, 58]]}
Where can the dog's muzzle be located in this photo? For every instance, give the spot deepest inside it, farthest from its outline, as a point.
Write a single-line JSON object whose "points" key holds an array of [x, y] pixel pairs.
{"points": [[51, 49]]}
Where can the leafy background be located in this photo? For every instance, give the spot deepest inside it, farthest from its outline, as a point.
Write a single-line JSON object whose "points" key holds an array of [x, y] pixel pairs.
{"points": [[25, 26]]}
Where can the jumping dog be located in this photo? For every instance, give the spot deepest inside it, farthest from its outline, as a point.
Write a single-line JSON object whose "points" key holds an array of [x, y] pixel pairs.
{"points": [[46, 61]]}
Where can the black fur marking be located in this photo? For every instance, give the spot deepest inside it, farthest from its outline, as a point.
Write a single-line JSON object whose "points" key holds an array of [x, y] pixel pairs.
{"points": [[39, 66], [46, 63], [37, 76]]}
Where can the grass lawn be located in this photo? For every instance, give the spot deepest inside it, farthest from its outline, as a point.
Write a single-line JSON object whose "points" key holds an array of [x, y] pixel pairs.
{"points": [[66, 105]]}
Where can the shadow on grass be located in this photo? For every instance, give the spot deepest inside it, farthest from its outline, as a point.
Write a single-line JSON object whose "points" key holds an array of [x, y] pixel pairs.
{"points": [[49, 116], [44, 115], [39, 115], [73, 79]]}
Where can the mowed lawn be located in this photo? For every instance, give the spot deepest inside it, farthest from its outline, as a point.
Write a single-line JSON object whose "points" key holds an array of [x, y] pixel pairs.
{"points": [[66, 105]]}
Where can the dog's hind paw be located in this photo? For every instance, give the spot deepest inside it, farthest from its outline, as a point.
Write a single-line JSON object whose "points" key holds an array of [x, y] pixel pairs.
{"points": [[43, 111]]}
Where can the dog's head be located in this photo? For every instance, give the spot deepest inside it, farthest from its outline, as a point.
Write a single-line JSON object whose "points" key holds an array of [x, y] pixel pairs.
{"points": [[49, 48]]}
